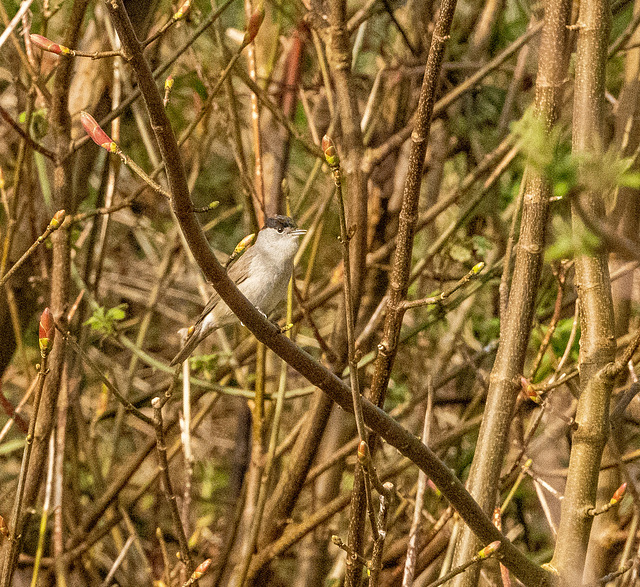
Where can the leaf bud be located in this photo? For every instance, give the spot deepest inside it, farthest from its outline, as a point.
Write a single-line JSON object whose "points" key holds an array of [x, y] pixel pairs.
{"points": [[255, 21], [182, 11], [98, 136], [619, 494], [330, 152], [57, 220], [45, 332], [489, 549], [201, 569], [48, 45]]}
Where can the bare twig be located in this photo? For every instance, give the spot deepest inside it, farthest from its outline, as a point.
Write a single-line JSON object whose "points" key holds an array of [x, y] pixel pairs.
{"points": [[18, 521], [24, 6], [55, 223], [169, 493], [412, 546]]}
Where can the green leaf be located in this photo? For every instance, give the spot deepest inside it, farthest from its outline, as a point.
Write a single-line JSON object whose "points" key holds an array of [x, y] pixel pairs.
{"points": [[105, 321]]}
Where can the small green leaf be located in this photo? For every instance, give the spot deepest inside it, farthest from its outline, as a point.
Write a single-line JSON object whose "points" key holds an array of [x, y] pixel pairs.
{"points": [[104, 321]]}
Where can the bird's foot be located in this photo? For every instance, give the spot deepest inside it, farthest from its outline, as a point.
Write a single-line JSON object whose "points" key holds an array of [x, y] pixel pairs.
{"points": [[285, 328]]}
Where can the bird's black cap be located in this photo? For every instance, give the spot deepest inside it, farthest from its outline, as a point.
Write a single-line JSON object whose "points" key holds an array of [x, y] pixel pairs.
{"points": [[279, 222]]}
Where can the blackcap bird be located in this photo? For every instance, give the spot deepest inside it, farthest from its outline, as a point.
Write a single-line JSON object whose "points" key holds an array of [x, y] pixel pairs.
{"points": [[262, 274]]}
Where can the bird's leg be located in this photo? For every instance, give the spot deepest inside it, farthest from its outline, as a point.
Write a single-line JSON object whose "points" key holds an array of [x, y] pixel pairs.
{"points": [[282, 329]]}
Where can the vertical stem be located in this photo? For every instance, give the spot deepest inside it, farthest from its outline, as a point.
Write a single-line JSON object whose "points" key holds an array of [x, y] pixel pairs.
{"points": [[412, 547], [627, 210], [255, 124], [163, 464], [597, 342], [339, 58], [401, 270], [516, 326], [60, 126], [345, 237], [17, 521]]}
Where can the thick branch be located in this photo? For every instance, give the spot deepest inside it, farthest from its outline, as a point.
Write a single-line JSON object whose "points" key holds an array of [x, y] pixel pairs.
{"points": [[515, 329], [597, 341]]}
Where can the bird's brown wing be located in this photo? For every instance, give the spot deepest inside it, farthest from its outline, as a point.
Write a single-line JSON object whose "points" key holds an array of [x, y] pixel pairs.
{"points": [[238, 272]]}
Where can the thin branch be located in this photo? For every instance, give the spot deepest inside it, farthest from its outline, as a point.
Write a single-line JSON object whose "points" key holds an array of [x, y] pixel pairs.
{"points": [[18, 520], [25, 135], [126, 404], [55, 223], [169, 493]]}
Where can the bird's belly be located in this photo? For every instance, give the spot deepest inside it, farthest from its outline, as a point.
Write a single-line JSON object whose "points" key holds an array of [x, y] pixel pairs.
{"points": [[271, 290]]}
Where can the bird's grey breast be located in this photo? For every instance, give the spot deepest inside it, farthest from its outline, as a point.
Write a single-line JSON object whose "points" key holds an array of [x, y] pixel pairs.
{"points": [[270, 271]]}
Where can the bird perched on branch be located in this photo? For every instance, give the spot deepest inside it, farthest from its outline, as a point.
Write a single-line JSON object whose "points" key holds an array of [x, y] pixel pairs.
{"points": [[262, 274]]}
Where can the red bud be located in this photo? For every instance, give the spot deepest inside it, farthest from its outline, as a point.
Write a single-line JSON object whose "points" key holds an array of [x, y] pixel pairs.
{"points": [[619, 494], [254, 25], [330, 152], [201, 569], [98, 136], [48, 45], [46, 332]]}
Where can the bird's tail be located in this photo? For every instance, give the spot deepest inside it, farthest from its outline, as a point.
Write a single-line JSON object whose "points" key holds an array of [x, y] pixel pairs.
{"points": [[189, 345]]}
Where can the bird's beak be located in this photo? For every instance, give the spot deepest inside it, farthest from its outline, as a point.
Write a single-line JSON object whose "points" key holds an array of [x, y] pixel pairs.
{"points": [[298, 232]]}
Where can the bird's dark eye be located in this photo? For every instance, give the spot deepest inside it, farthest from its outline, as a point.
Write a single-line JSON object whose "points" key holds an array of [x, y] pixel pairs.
{"points": [[280, 228]]}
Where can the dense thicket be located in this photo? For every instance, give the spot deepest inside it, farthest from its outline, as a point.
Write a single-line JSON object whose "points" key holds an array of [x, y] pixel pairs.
{"points": [[479, 182]]}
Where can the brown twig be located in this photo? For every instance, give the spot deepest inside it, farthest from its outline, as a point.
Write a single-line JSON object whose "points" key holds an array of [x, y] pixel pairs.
{"points": [[169, 493], [55, 223], [401, 271], [25, 135], [18, 521]]}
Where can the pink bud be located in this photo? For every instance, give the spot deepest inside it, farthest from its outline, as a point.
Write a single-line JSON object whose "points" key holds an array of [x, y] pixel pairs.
{"points": [[48, 45], [45, 332], [330, 152], [98, 136], [201, 569], [254, 25]]}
